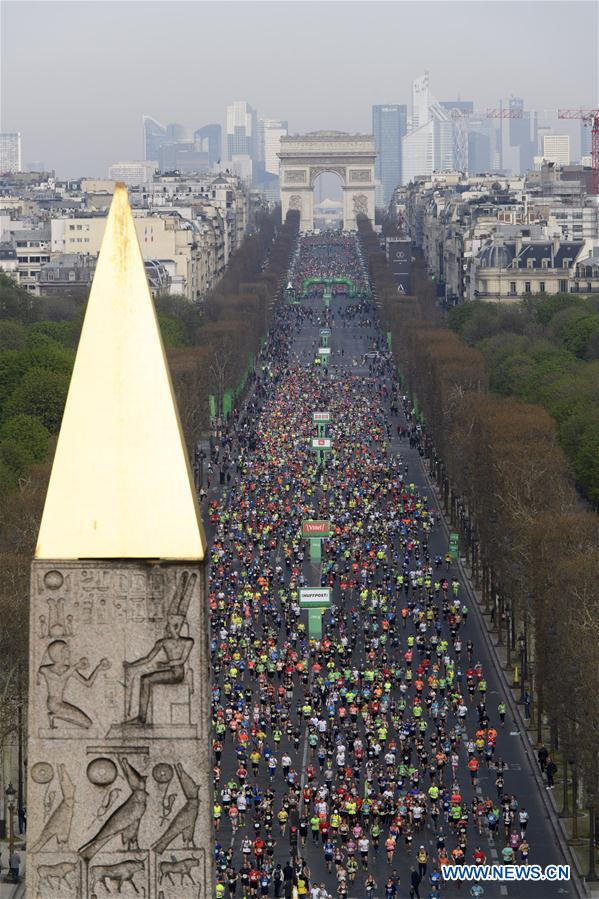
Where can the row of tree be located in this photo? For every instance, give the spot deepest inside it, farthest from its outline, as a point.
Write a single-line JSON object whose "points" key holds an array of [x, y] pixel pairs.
{"points": [[509, 489], [546, 350], [236, 316]]}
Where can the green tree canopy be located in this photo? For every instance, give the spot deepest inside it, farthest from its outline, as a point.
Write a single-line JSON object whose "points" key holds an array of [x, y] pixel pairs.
{"points": [[28, 431], [41, 393], [16, 302], [13, 335], [173, 331]]}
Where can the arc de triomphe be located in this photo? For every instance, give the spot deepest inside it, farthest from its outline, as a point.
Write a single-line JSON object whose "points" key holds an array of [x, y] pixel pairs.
{"points": [[304, 157]]}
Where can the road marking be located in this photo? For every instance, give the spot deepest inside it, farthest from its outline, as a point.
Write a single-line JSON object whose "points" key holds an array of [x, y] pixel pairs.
{"points": [[494, 853], [503, 890], [514, 733], [513, 767]]}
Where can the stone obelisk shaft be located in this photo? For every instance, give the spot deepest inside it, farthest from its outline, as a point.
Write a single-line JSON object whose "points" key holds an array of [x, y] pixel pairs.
{"points": [[119, 751]]}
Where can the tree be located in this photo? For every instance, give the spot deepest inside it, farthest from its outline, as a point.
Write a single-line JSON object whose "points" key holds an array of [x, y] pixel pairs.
{"points": [[8, 479], [16, 303], [173, 332], [43, 394], [28, 431], [12, 335]]}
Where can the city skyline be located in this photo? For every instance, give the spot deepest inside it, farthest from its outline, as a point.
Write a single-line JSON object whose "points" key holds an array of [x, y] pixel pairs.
{"points": [[110, 92]]}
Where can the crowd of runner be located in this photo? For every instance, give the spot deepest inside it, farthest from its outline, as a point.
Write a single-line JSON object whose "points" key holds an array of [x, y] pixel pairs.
{"points": [[328, 255], [338, 758]]}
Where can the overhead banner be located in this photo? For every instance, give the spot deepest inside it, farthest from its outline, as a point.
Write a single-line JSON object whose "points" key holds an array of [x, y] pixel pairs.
{"points": [[399, 254], [315, 598], [316, 528]]}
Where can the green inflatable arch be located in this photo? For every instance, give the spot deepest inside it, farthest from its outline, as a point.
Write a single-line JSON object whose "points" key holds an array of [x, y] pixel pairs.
{"points": [[328, 284]]}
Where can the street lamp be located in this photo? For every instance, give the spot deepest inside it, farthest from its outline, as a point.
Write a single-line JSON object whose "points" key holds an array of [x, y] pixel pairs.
{"points": [[10, 794]]}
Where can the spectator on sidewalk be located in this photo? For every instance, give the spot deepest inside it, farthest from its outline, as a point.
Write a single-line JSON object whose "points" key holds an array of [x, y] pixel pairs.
{"points": [[15, 866], [550, 771]]}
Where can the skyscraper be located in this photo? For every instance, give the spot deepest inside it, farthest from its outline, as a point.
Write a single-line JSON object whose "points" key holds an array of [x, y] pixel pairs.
{"points": [[154, 136], [242, 130], [522, 135], [459, 112], [429, 145], [585, 138], [270, 132], [212, 134], [175, 132], [556, 148], [10, 152], [420, 102], [418, 152], [481, 145], [389, 126]]}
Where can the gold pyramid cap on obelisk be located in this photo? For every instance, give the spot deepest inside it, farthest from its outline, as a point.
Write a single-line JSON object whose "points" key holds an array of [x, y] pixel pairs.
{"points": [[121, 485]]}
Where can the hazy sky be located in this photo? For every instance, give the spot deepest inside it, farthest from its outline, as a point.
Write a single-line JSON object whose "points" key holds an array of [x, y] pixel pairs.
{"points": [[76, 77]]}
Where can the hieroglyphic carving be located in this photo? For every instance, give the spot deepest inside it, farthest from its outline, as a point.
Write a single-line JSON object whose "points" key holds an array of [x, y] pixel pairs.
{"points": [[118, 763], [60, 872], [183, 867], [116, 874], [59, 823], [125, 820], [184, 822]]}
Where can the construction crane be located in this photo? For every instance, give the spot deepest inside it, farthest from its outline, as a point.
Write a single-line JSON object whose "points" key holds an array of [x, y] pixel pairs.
{"points": [[504, 112], [589, 117]]}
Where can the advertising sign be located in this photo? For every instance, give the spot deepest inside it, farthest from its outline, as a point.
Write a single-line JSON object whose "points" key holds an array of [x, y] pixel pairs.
{"points": [[321, 443], [324, 350], [311, 598], [314, 528], [399, 254], [321, 418]]}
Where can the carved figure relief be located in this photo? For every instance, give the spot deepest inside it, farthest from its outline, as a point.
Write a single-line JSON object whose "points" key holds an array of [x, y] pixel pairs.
{"points": [[172, 652], [59, 823], [121, 817], [125, 820], [295, 202], [57, 672], [360, 204]]}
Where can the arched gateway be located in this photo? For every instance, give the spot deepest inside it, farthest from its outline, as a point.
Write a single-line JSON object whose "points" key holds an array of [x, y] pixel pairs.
{"points": [[304, 157]]}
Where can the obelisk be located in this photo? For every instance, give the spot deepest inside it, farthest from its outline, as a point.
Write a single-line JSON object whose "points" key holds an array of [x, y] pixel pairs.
{"points": [[119, 795]]}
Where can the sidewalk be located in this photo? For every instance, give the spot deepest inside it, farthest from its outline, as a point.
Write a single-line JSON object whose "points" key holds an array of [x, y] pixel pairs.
{"points": [[12, 890]]}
